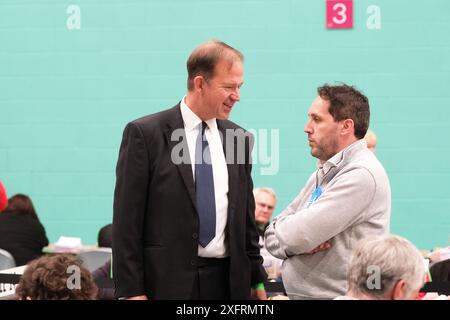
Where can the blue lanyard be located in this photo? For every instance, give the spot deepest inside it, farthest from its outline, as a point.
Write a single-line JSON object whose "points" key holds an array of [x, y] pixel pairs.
{"points": [[317, 191], [315, 195]]}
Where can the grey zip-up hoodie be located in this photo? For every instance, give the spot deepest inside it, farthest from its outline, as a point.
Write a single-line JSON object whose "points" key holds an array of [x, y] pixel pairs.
{"points": [[355, 203]]}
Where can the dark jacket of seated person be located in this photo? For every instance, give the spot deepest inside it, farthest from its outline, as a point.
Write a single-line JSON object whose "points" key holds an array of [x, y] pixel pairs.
{"points": [[102, 276], [440, 271], [21, 232]]}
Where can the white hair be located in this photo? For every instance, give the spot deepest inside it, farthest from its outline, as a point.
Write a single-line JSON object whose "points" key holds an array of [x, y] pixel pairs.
{"points": [[268, 190], [394, 257]]}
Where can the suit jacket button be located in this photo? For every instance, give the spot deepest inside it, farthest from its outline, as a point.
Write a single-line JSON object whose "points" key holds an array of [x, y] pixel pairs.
{"points": [[193, 262], [194, 236]]}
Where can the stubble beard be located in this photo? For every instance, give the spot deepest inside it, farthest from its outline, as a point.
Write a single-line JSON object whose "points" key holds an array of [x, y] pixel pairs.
{"points": [[323, 153]]}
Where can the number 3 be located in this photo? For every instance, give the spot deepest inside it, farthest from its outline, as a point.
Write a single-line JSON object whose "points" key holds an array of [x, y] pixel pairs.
{"points": [[340, 13]]}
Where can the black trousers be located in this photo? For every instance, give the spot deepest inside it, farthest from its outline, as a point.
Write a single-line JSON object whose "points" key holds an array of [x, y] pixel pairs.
{"points": [[212, 280]]}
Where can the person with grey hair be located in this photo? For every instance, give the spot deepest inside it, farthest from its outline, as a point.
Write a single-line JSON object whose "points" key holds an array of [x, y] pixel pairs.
{"points": [[265, 201], [385, 268]]}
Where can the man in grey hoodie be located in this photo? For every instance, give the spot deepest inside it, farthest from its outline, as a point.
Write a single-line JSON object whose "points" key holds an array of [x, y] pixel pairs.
{"points": [[347, 198]]}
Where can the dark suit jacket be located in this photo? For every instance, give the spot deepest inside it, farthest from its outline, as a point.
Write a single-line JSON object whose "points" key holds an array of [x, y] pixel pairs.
{"points": [[440, 271], [155, 226]]}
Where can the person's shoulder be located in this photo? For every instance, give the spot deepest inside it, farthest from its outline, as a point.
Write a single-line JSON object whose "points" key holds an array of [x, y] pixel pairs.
{"points": [[21, 221], [7, 216], [367, 159], [26, 220], [157, 118]]}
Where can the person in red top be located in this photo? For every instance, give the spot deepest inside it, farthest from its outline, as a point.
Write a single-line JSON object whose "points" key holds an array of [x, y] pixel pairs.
{"points": [[3, 197]]}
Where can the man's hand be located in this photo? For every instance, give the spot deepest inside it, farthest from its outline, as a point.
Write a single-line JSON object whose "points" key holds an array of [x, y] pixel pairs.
{"points": [[143, 297], [324, 246], [258, 294]]}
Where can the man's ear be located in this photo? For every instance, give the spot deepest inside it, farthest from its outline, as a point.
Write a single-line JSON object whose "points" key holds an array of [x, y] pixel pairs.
{"points": [[398, 292], [199, 83], [348, 126]]}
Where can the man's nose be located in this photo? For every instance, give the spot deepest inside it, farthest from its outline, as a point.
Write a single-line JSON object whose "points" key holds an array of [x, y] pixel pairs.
{"points": [[308, 128], [236, 95]]}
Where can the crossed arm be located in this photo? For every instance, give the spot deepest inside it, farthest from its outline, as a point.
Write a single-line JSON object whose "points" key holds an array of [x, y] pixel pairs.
{"points": [[298, 230]]}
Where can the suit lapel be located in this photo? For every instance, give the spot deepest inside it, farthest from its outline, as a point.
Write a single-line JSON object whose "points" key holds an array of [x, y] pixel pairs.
{"points": [[184, 168]]}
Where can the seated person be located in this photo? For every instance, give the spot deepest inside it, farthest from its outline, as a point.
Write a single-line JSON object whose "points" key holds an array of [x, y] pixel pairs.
{"points": [[104, 238], [371, 139], [265, 201], [100, 275], [440, 271], [21, 232], [385, 268], [3, 197], [54, 277]]}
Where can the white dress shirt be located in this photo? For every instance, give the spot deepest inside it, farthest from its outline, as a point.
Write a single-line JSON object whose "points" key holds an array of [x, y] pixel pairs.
{"points": [[192, 126]]}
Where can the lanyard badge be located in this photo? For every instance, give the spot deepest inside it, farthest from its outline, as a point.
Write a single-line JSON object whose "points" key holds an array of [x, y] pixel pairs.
{"points": [[315, 195]]}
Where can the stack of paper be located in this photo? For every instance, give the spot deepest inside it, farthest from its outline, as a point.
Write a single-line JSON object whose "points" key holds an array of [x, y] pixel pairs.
{"points": [[68, 244]]}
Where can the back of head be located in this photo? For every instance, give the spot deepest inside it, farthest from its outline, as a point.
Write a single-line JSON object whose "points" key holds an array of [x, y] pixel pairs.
{"points": [[371, 140], [347, 103], [56, 277], [105, 236], [204, 58], [378, 263], [21, 204]]}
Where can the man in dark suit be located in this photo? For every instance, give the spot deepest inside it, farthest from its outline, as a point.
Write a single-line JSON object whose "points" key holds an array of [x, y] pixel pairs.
{"points": [[184, 225]]}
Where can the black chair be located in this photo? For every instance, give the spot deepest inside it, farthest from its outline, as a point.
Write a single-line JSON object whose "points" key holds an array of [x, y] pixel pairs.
{"points": [[94, 259]]}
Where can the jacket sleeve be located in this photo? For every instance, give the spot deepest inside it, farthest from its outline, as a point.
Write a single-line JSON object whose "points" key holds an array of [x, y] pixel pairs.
{"points": [[130, 202], [271, 241]]}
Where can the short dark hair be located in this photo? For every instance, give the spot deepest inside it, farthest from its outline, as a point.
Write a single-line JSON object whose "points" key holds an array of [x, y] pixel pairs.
{"points": [[46, 279], [203, 59], [347, 103], [104, 238]]}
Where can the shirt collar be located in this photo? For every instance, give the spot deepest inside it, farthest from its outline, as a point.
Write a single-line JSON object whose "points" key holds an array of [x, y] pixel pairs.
{"points": [[191, 120]]}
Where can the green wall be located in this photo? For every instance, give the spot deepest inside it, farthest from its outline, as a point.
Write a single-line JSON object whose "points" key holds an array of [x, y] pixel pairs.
{"points": [[66, 94]]}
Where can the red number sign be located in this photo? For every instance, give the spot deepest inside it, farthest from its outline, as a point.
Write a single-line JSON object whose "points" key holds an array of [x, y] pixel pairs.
{"points": [[339, 14]]}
